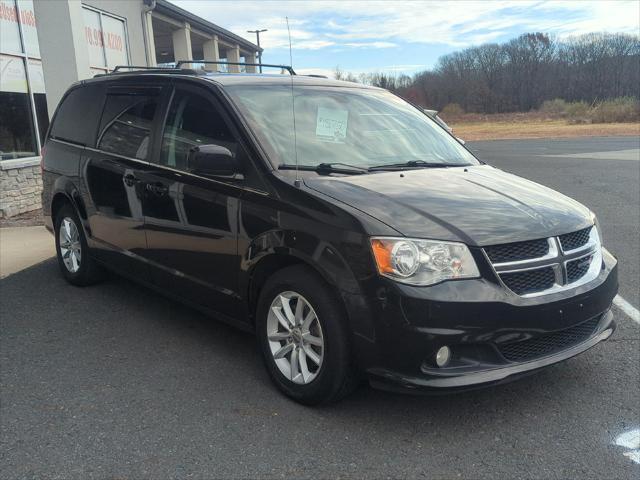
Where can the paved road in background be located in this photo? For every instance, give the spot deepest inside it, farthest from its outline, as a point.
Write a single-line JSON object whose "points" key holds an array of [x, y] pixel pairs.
{"points": [[114, 381]]}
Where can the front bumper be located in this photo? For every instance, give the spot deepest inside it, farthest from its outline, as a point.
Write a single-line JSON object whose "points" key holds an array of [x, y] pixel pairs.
{"points": [[481, 322], [388, 380]]}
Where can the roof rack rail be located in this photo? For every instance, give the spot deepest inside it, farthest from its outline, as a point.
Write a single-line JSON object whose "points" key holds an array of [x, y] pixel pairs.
{"points": [[283, 67], [139, 67], [133, 69]]}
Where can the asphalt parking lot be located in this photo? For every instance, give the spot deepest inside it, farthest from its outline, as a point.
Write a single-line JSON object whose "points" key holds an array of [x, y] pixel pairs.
{"points": [[114, 381]]}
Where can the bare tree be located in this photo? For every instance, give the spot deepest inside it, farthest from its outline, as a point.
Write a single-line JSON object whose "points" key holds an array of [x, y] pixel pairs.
{"points": [[524, 72]]}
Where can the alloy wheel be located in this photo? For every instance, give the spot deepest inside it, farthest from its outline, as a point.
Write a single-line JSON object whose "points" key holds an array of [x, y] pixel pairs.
{"points": [[295, 337], [70, 246]]}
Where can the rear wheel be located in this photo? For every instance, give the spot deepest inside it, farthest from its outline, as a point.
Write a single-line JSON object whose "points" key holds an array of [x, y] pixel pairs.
{"points": [[303, 336], [76, 265]]}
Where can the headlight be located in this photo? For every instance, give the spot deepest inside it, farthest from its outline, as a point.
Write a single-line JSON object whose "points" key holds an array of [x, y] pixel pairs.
{"points": [[422, 262]]}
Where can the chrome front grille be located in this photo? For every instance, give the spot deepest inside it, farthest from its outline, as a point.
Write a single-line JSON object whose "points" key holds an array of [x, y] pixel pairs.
{"points": [[518, 251], [548, 265], [529, 281], [574, 240], [576, 269]]}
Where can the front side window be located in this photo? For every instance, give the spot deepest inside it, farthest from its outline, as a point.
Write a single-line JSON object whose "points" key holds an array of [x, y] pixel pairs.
{"points": [[358, 126], [192, 121], [126, 125]]}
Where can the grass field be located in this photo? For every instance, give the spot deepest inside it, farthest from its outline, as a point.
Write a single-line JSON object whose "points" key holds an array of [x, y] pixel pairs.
{"points": [[471, 127]]}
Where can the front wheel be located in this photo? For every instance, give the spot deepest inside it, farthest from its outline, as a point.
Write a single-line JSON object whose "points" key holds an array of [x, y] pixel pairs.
{"points": [[303, 336]]}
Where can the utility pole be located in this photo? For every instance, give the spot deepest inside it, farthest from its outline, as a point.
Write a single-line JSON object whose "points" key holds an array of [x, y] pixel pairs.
{"points": [[258, 32]]}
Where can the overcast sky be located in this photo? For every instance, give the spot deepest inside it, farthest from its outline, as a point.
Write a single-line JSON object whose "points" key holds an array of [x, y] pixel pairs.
{"points": [[366, 36]]}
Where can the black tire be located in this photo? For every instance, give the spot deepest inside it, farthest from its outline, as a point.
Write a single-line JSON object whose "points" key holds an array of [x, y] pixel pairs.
{"points": [[89, 272], [336, 377]]}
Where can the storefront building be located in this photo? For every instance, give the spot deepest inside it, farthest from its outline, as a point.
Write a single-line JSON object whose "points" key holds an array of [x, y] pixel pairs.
{"points": [[46, 45]]}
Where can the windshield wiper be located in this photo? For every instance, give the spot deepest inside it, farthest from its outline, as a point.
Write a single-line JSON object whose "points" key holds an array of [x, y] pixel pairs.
{"points": [[416, 164], [332, 167], [336, 167]]}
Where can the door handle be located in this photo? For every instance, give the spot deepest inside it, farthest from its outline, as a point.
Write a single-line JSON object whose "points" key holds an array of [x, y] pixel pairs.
{"points": [[157, 188], [130, 180]]}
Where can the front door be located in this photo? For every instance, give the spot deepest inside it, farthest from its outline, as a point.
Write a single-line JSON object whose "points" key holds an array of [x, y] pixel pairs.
{"points": [[191, 221]]}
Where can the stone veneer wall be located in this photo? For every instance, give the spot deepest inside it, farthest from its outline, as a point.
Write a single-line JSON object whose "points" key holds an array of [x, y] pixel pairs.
{"points": [[20, 189]]}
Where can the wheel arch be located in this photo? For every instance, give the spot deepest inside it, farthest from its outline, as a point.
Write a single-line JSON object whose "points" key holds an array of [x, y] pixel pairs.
{"points": [[265, 268], [66, 192], [59, 200], [275, 251]]}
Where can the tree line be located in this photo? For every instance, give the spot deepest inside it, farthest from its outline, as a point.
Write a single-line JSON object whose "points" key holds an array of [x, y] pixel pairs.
{"points": [[521, 74]]}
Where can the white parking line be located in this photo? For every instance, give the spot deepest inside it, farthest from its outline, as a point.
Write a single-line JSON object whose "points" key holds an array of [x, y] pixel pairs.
{"points": [[631, 311], [631, 441], [629, 154]]}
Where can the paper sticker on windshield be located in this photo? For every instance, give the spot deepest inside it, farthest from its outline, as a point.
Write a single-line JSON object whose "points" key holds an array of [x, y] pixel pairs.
{"points": [[331, 125]]}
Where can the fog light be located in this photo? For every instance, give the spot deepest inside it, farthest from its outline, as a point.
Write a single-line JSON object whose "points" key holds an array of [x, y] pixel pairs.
{"points": [[442, 356]]}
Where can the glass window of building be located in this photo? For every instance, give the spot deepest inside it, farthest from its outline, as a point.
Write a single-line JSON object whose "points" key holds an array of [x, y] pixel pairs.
{"points": [[106, 37], [23, 109]]}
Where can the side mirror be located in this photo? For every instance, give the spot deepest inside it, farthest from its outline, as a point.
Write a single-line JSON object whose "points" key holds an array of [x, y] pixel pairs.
{"points": [[213, 160]]}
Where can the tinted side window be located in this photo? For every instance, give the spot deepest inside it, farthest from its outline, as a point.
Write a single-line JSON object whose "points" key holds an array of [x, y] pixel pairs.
{"points": [[192, 121], [126, 125], [77, 116]]}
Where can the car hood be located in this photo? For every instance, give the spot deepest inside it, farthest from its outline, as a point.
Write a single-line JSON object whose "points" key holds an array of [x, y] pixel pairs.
{"points": [[477, 205]]}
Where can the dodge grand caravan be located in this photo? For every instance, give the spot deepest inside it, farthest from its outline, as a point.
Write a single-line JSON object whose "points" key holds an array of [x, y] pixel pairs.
{"points": [[353, 234]]}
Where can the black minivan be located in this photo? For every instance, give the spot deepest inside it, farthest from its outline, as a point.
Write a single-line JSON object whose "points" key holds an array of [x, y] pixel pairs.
{"points": [[353, 234]]}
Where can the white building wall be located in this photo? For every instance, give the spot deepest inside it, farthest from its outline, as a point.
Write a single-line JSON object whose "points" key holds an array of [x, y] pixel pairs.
{"points": [[64, 45], [65, 58]]}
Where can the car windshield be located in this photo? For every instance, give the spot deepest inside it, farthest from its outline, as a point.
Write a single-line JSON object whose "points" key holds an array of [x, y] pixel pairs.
{"points": [[359, 127]]}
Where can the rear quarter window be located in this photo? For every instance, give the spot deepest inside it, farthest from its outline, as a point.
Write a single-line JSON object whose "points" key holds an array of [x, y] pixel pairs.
{"points": [[77, 117]]}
